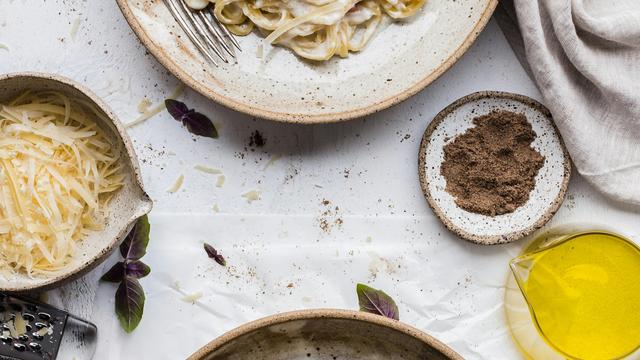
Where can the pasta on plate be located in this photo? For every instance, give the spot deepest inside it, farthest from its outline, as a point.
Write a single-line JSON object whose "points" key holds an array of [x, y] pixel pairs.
{"points": [[313, 29]]}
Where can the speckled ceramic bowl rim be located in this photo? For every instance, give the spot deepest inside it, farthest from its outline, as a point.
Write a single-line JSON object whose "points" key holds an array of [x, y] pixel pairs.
{"points": [[496, 239], [302, 118], [315, 314], [84, 268]]}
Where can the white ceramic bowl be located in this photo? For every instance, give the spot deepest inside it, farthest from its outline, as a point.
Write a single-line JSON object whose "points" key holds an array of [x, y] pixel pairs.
{"points": [[401, 60], [127, 206], [325, 334]]}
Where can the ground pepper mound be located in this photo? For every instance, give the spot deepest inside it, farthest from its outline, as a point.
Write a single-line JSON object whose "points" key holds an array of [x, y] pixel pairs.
{"points": [[491, 168]]}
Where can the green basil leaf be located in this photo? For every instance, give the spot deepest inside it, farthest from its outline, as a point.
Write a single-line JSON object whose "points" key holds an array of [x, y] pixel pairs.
{"points": [[129, 303]]}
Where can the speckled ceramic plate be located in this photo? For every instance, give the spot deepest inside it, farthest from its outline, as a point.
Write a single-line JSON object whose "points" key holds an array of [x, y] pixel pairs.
{"points": [[128, 204], [325, 335], [551, 182], [402, 59]]}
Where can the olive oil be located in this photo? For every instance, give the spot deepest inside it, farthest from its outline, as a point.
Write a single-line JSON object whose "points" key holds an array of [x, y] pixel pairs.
{"points": [[583, 294]]}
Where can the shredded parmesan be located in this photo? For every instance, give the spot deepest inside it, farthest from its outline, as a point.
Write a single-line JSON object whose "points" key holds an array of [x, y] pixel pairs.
{"points": [[58, 170], [155, 110], [143, 106], [45, 331], [75, 27], [221, 180], [271, 161], [252, 196], [19, 324], [207, 169], [192, 298], [176, 185], [12, 329]]}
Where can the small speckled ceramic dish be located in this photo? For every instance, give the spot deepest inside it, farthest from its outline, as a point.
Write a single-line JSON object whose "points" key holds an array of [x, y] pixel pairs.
{"points": [[401, 59], [325, 335], [128, 204], [551, 182]]}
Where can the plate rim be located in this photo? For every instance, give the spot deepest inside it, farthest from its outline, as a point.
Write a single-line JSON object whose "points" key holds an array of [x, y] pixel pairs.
{"points": [[158, 53], [491, 239], [315, 314]]}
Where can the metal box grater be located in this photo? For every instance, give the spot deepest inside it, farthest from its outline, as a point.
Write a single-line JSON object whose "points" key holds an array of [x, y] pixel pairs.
{"points": [[46, 333]]}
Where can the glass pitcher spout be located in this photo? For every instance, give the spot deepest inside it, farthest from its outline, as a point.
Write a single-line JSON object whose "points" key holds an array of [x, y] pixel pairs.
{"points": [[521, 269], [581, 294]]}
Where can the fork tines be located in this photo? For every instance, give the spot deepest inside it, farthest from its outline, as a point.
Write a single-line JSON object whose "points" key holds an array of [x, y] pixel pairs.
{"points": [[203, 29]]}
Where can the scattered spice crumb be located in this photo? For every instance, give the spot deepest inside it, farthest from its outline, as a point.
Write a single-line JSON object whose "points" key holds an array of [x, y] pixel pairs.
{"points": [[216, 208], [4, 47], [290, 285], [176, 185], [257, 140], [329, 217]]}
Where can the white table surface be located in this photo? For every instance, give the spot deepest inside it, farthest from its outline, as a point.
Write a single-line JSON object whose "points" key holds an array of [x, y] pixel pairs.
{"points": [[366, 168]]}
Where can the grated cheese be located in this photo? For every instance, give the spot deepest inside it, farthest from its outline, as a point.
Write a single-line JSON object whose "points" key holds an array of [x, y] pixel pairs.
{"points": [[252, 196], [176, 185], [220, 181], [192, 298], [149, 113], [143, 106], [19, 324], [207, 169], [75, 27], [271, 161], [58, 170]]}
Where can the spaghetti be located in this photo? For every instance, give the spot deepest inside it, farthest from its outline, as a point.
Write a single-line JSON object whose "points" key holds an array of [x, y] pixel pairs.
{"points": [[313, 29]]}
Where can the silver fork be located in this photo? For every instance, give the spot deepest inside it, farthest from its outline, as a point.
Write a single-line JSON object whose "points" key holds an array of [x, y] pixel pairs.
{"points": [[205, 31]]}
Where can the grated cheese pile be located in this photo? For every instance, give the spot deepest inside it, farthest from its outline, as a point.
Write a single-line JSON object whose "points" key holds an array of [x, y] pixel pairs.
{"points": [[58, 170]]}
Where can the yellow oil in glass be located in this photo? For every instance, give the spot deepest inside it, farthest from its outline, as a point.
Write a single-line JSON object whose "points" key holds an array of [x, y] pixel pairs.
{"points": [[584, 295]]}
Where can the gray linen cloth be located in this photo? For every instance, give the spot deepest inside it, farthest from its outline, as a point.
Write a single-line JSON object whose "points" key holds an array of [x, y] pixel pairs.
{"points": [[584, 55]]}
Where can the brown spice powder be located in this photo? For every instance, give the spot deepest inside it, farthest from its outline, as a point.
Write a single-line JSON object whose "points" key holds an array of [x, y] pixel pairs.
{"points": [[491, 168]]}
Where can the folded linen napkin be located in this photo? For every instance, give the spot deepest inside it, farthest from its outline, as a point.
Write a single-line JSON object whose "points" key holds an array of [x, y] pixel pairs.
{"points": [[584, 56]]}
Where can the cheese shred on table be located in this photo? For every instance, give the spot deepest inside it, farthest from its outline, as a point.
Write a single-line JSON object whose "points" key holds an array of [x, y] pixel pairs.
{"points": [[58, 171]]}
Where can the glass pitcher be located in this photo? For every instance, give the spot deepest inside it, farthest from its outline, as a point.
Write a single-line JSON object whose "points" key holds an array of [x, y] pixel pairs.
{"points": [[546, 300]]}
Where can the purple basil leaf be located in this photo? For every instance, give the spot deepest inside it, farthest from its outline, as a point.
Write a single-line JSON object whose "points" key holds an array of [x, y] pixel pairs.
{"points": [[176, 108], [213, 254], [135, 244], [129, 303], [199, 124], [137, 269], [220, 260], [376, 302], [115, 274]]}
